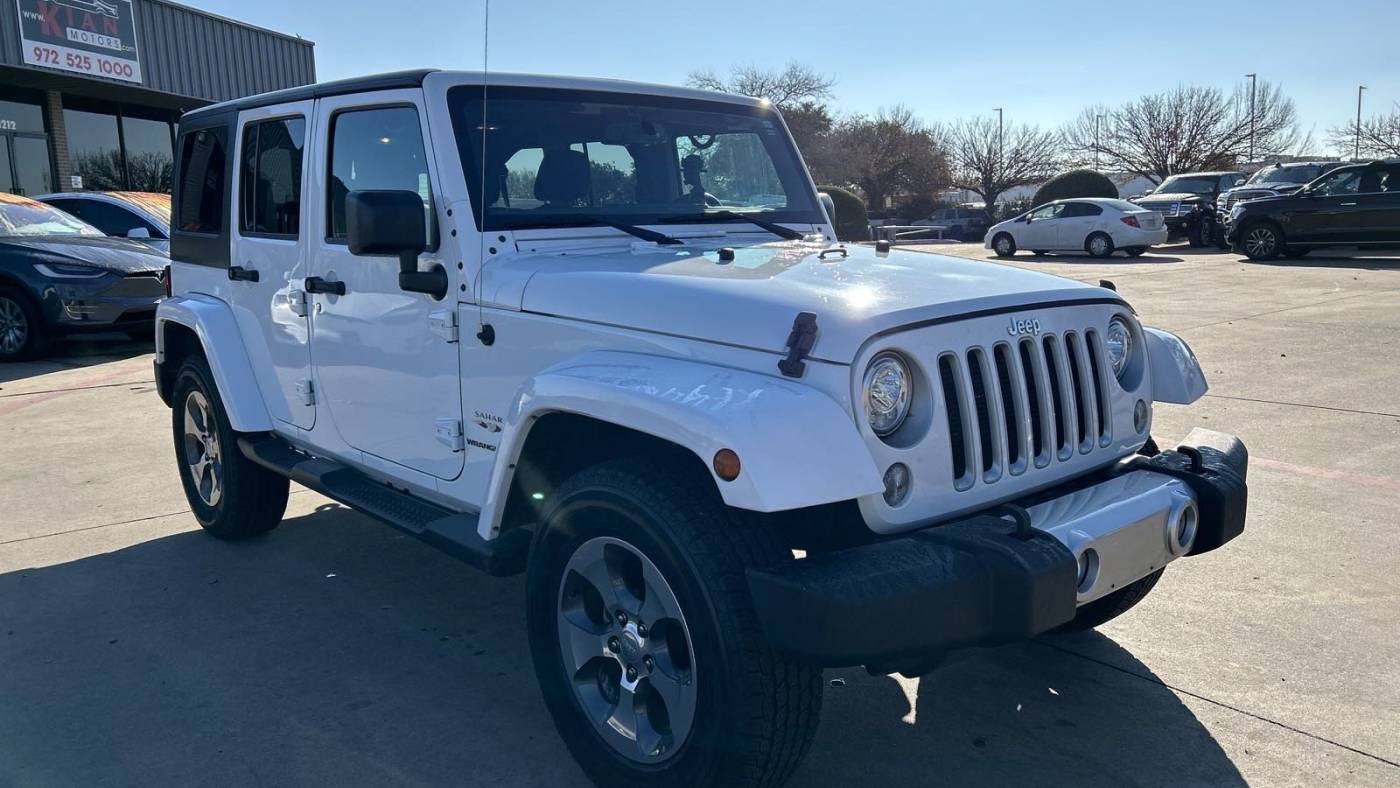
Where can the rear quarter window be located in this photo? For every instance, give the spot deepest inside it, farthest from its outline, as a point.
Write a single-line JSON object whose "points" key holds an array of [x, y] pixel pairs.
{"points": [[200, 226]]}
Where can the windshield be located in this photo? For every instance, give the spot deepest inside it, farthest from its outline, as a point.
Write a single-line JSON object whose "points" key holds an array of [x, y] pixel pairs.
{"points": [[158, 205], [572, 158], [1175, 185], [1286, 175], [21, 216]]}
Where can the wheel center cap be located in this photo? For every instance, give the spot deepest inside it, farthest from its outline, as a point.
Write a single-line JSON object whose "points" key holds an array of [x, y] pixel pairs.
{"points": [[631, 646]]}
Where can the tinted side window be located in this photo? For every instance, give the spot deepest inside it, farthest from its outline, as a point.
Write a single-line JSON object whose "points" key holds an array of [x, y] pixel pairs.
{"points": [[110, 219], [1075, 209], [270, 177], [200, 208], [378, 148]]}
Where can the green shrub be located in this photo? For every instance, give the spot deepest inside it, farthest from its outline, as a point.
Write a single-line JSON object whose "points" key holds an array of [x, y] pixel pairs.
{"points": [[852, 222], [1074, 184]]}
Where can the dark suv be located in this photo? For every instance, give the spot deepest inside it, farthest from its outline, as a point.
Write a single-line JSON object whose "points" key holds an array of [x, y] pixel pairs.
{"points": [[1357, 205], [1187, 202]]}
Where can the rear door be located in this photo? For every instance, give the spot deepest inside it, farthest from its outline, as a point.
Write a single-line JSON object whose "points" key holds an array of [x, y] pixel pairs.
{"points": [[270, 256], [1376, 216], [387, 367], [1076, 222]]}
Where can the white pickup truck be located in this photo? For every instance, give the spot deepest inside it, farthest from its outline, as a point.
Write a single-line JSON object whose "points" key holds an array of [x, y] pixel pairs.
{"points": [[603, 333]]}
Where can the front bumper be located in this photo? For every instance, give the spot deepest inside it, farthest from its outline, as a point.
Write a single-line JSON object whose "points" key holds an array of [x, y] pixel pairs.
{"points": [[104, 304], [900, 604]]}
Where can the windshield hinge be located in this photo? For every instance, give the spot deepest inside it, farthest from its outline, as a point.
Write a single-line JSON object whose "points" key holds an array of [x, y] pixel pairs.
{"points": [[306, 391], [800, 342], [296, 301], [443, 322]]}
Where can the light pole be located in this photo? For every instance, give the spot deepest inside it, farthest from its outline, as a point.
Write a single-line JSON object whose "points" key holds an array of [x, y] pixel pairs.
{"points": [[999, 128], [1098, 145], [1253, 78], [1357, 155]]}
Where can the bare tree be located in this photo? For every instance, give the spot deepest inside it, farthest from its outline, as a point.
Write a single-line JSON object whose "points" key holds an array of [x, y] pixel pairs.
{"points": [[1379, 136], [1184, 130], [889, 154], [990, 160], [794, 84]]}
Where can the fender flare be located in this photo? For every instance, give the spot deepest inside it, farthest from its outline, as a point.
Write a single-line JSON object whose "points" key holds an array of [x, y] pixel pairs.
{"points": [[1176, 374], [214, 323], [797, 446]]}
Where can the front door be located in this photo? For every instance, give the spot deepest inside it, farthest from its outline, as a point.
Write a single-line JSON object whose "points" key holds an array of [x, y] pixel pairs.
{"points": [[272, 255], [1321, 215], [387, 370], [1043, 229]]}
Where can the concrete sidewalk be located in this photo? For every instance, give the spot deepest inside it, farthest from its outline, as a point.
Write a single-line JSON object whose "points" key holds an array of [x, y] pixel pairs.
{"points": [[135, 650]]}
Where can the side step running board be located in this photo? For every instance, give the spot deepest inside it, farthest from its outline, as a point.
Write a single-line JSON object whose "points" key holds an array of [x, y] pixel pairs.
{"points": [[452, 532]]}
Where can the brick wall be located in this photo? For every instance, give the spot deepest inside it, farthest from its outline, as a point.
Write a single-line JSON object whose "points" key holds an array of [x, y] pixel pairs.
{"points": [[58, 140]]}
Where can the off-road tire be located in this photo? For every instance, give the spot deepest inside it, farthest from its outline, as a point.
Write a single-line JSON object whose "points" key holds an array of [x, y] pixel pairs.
{"points": [[1111, 606], [1003, 250], [252, 499], [1105, 250], [17, 306], [756, 712]]}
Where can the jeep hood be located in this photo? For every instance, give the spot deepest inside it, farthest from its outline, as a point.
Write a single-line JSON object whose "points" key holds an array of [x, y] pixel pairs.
{"points": [[117, 255], [752, 301]]}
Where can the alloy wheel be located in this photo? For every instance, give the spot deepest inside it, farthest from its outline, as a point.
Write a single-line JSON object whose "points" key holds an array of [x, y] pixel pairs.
{"points": [[14, 326], [1003, 245], [1098, 246], [627, 650], [202, 453], [1261, 242]]}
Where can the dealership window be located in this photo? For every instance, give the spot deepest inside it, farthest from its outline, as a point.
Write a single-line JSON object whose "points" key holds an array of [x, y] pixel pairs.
{"points": [[270, 180], [21, 116], [95, 147], [118, 148], [202, 168]]}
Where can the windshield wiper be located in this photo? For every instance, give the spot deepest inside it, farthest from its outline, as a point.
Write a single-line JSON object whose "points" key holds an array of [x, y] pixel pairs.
{"points": [[772, 227], [632, 229]]}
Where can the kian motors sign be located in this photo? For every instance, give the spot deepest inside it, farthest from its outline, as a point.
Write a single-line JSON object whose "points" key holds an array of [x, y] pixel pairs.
{"points": [[95, 37]]}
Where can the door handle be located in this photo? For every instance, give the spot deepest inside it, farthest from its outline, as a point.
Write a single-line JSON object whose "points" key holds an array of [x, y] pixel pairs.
{"points": [[238, 273], [315, 284]]}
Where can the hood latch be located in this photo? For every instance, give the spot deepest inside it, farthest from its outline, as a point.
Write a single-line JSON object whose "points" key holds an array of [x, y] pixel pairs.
{"points": [[799, 344]]}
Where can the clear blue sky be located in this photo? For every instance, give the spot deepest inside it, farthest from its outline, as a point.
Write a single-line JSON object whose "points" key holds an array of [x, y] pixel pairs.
{"points": [[1042, 60]]}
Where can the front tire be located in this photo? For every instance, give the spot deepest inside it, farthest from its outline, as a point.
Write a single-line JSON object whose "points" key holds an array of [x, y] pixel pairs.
{"points": [[1261, 241], [1004, 245], [680, 688], [22, 333], [231, 496], [1099, 245]]}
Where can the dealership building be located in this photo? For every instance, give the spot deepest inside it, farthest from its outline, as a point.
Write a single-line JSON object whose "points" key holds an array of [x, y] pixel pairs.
{"points": [[90, 89]]}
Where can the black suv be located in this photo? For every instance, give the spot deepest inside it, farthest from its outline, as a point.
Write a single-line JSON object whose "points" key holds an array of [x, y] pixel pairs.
{"points": [[1357, 205], [1187, 202]]}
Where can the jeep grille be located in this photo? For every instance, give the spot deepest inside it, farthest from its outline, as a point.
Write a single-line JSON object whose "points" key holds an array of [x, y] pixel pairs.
{"points": [[1024, 405]]}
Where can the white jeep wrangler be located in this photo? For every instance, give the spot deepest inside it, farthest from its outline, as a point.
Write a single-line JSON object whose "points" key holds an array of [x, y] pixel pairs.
{"points": [[603, 334]]}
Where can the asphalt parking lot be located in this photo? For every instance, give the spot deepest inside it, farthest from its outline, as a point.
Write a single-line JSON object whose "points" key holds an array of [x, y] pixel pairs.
{"points": [[135, 650]]}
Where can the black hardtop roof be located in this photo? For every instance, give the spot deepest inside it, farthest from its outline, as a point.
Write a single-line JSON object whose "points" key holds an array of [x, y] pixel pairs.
{"points": [[340, 87]]}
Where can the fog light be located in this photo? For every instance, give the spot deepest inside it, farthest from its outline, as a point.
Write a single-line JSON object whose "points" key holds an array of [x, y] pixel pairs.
{"points": [[1182, 525], [897, 483], [1088, 569], [1140, 416]]}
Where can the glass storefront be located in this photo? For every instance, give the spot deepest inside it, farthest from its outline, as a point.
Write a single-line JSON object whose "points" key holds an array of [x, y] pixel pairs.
{"points": [[25, 164], [118, 148]]}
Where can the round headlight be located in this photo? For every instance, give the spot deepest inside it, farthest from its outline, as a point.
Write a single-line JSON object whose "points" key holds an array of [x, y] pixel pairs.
{"points": [[886, 393], [1118, 343]]}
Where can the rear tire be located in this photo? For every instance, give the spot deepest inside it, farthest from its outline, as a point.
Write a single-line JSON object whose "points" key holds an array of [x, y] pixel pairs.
{"points": [[654, 540], [1111, 606], [22, 331], [1136, 251], [1099, 245], [231, 496], [1004, 245]]}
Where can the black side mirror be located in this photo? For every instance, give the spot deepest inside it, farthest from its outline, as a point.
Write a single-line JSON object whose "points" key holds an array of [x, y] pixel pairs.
{"points": [[384, 222]]}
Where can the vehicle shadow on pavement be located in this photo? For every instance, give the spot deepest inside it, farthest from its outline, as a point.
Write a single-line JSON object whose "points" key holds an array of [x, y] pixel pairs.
{"points": [[337, 651], [76, 353]]}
